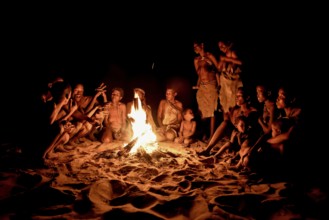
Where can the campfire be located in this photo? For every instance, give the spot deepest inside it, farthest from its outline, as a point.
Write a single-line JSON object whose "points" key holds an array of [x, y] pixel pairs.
{"points": [[143, 136]]}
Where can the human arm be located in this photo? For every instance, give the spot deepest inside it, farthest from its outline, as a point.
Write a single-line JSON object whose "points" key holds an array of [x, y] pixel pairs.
{"points": [[123, 116], [54, 116], [160, 113], [73, 107], [60, 111], [99, 91], [213, 59], [196, 66], [281, 137], [232, 58]]}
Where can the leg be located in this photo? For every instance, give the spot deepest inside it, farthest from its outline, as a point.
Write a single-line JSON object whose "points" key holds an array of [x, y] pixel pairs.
{"points": [[212, 127], [59, 139], [217, 135], [107, 136]]}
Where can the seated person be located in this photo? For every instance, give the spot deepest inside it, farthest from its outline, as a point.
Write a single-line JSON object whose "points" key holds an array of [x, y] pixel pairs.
{"points": [[187, 128], [242, 138], [87, 106], [116, 120], [243, 107], [269, 156], [59, 128], [268, 110], [169, 116]]}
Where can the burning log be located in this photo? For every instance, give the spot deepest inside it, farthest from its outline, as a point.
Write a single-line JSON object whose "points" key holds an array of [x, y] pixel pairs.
{"points": [[127, 148]]}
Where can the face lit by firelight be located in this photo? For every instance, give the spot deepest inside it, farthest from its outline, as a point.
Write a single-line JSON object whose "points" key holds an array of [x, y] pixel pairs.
{"points": [[170, 94]]}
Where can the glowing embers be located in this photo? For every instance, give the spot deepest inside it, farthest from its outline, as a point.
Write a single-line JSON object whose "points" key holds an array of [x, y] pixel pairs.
{"points": [[143, 135]]}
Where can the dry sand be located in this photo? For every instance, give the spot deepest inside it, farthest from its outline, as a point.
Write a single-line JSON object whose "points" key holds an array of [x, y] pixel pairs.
{"points": [[94, 181]]}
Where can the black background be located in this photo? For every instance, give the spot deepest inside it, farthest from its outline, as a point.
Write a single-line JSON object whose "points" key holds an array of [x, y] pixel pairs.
{"points": [[119, 45]]}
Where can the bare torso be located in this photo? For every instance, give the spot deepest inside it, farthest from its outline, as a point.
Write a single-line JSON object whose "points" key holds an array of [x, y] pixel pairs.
{"points": [[116, 116], [205, 68]]}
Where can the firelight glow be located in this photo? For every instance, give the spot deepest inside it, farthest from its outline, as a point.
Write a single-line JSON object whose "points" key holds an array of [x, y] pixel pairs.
{"points": [[141, 129]]}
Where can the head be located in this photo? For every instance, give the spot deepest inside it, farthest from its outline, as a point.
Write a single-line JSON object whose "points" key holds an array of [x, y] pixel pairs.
{"points": [[61, 91], [171, 94], [198, 47], [242, 97], [140, 93], [117, 94], [284, 99], [224, 46], [262, 93], [188, 114], [55, 80], [241, 124], [78, 92], [279, 126]]}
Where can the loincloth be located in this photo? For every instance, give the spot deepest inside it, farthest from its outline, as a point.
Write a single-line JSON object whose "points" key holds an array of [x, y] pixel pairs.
{"points": [[207, 96]]}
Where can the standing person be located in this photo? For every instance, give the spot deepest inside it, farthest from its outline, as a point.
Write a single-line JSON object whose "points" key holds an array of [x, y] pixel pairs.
{"points": [[187, 128], [207, 95], [228, 79], [169, 116]]}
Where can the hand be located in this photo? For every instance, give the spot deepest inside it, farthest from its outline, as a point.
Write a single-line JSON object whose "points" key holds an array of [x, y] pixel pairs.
{"points": [[73, 105], [101, 88], [66, 126]]}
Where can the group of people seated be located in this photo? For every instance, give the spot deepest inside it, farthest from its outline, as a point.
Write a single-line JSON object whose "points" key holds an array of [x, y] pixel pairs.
{"points": [[259, 136], [250, 136], [255, 131], [71, 116]]}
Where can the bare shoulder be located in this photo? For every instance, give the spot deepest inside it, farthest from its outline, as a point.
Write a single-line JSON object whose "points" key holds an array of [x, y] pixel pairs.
{"points": [[177, 102], [208, 54], [122, 105], [232, 54], [296, 112], [162, 103]]}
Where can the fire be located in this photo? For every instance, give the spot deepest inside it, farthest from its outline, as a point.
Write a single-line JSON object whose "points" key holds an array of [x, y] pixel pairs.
{"points": [[142, 131]]}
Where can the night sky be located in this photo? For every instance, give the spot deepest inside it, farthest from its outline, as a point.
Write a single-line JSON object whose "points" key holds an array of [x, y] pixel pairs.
{"points": [[148, 48]]}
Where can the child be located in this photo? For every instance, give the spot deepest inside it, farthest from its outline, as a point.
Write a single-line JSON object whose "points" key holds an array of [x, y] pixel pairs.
{"points": [[241, 139], [280, 126], [187, 128], [269, 157]]}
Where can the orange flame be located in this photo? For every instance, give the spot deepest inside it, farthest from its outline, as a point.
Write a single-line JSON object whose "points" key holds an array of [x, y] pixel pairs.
{"points": [[141, 129]]}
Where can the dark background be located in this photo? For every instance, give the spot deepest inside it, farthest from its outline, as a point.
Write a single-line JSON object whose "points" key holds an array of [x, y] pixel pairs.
{"points": [[120, 45]]}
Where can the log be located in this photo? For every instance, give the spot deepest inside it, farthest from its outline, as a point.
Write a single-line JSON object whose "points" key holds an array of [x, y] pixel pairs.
{"points": [[127, 148]]}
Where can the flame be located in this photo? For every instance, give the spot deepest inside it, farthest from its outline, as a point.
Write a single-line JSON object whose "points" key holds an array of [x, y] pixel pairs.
{"points": [[141, 129]]}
